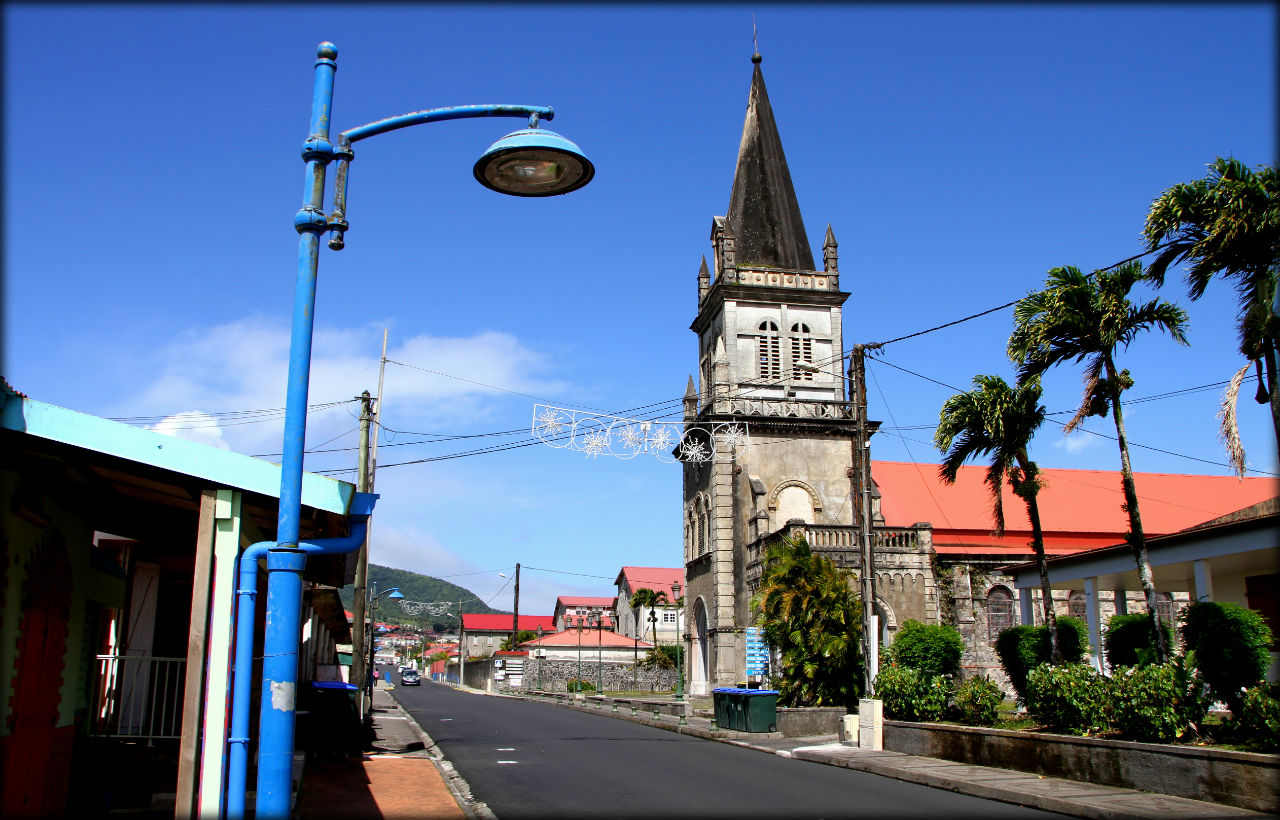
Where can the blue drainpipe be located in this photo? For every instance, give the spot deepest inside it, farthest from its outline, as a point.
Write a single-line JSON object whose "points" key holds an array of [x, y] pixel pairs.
{"points": [[238, 742]]}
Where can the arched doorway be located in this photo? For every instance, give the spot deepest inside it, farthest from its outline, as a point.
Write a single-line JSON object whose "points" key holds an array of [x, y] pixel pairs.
{"points": [[699, 672]]}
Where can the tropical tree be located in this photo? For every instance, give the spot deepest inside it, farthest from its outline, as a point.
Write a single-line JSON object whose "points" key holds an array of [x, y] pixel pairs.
{"points": [[1228, 225], [997, 421], [645, 598], [810, 614], [1087, 319]]}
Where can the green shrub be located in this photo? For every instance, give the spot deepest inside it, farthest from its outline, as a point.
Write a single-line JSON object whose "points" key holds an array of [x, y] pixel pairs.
{"points": [[933, 649], [1231, 646], [659, 658], [1129, 640], [1260, 717], [576, 685], [1157, 702], [978, 700], [909, 694], [1071, 698], [1022, 648]]}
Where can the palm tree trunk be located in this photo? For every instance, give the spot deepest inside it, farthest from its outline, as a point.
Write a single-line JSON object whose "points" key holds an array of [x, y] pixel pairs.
{"points": [[1273, 384], [1028, 490], [1137, 540]]}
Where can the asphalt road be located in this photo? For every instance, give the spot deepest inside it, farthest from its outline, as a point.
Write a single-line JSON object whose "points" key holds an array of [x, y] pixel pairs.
{"points": [[534, 760]]}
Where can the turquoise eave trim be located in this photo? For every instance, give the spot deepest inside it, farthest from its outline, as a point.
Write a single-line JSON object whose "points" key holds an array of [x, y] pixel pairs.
{"points": [[167, 452]]}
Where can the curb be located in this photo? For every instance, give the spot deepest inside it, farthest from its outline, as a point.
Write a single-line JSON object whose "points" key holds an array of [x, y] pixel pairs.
{"points": [[1116, 803]]}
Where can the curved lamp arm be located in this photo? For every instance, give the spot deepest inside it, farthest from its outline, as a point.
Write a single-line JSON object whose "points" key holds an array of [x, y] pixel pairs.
{"points": [[456, 112]]}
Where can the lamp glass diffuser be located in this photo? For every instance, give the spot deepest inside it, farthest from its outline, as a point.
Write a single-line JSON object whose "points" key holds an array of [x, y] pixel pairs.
{"points": [[533, 162]]}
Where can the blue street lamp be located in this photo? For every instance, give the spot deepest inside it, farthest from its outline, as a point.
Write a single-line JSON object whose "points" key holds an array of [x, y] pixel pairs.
{"points": [[529, 162], [372, 609]]}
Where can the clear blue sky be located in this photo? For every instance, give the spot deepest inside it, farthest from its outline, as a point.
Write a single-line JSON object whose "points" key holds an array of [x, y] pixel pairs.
{"points": [[152, 173]]}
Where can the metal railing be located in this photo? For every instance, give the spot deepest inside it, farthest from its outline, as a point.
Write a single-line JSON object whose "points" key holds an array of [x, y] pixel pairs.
{"points": [[138, 697]]}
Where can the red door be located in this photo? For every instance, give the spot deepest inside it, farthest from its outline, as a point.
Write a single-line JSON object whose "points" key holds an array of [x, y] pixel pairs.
{"points": [[37, 762]]}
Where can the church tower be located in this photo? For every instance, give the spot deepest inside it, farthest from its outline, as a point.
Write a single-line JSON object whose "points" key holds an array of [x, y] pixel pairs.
{"points": [[770, 360]]}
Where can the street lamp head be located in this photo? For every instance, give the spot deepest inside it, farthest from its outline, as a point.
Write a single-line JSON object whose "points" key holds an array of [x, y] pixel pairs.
{"points": [[534, 162], [395, 593]]}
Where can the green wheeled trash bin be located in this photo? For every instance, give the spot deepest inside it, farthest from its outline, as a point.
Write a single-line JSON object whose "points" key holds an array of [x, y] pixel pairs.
{"points": [[759, 709], [720, 704]]}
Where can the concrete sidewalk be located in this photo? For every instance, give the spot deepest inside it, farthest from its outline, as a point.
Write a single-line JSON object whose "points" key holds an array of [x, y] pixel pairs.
{"points": [[402, 775], [1069, 797]]}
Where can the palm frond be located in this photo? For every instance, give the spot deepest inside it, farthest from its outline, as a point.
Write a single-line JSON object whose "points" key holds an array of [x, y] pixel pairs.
{"points": [[1228, 429]]}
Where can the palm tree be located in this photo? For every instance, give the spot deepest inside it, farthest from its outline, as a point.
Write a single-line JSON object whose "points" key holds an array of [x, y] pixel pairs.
{"points": [[645, 598], [810, 614], [1085, 319], [998, 421], [1228, 224]]}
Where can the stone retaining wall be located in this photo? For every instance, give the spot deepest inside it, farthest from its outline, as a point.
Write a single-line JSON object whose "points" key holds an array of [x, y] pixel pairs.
{"points": [[1250, 781], [810, 721], [555, 676]]}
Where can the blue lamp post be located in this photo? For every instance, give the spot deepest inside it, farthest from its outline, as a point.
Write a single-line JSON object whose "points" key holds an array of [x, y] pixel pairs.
{"points": [[529, 162], [372, 609]]}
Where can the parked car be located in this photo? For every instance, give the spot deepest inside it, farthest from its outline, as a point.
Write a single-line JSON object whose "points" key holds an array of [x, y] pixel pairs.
{"points": [[410, 677]]}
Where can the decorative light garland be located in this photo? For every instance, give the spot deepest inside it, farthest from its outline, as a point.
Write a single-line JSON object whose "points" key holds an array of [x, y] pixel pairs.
{"points": [[596, 434]]}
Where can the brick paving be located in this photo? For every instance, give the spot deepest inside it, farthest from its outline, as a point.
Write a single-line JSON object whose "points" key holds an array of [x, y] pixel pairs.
{"points": [[376, 786], [397, 780]]}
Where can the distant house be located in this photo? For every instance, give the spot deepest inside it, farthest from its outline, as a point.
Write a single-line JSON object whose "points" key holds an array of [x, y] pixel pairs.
{"points": [[635, 622], [482, 635], [589, 645], [570, 609]]}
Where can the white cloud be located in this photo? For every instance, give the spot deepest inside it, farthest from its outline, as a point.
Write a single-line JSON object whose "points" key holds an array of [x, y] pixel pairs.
{"points": [[242, 365], [1078, 442], [192, 426]]}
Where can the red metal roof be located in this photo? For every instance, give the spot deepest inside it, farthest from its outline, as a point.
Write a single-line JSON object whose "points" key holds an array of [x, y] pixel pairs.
{"points": [[1079, 509], [502, 623], [659, 579], [580, 600]]}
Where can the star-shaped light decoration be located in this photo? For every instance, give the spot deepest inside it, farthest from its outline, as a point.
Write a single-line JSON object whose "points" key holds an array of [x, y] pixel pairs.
{"points": [[595, 442], [550, 421], [662, 439], [632, 436], [731, 439], [694, 451]]}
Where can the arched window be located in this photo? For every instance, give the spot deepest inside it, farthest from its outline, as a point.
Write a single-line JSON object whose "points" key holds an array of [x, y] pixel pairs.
{"points": [[1077, 605], [702, 533], [999, 612], [1164, 607], [801, 352], [770, 351]]}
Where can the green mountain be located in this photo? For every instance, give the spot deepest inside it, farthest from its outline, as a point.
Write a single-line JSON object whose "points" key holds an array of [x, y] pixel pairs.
{"points": [[421, 588]]}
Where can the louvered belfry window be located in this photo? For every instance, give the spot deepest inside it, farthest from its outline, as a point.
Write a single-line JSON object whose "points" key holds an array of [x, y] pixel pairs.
{"points": [[801, 352], [770, 351]]}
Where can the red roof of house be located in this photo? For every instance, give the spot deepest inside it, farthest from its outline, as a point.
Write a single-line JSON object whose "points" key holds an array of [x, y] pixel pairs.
{"points": [[580, 600], [502, 623], [588, 637], [1079, 509], [658, 579]]}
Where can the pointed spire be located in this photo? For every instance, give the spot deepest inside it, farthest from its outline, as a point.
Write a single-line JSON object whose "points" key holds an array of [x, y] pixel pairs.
{"points": [[763, 211], [830, 260], [690, 400], [704, 280]]}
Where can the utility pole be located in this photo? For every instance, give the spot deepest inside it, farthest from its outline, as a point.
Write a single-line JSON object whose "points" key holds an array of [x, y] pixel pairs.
{"points": [[462, 647], [364, 479], [515, 616], [862, 475]]}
